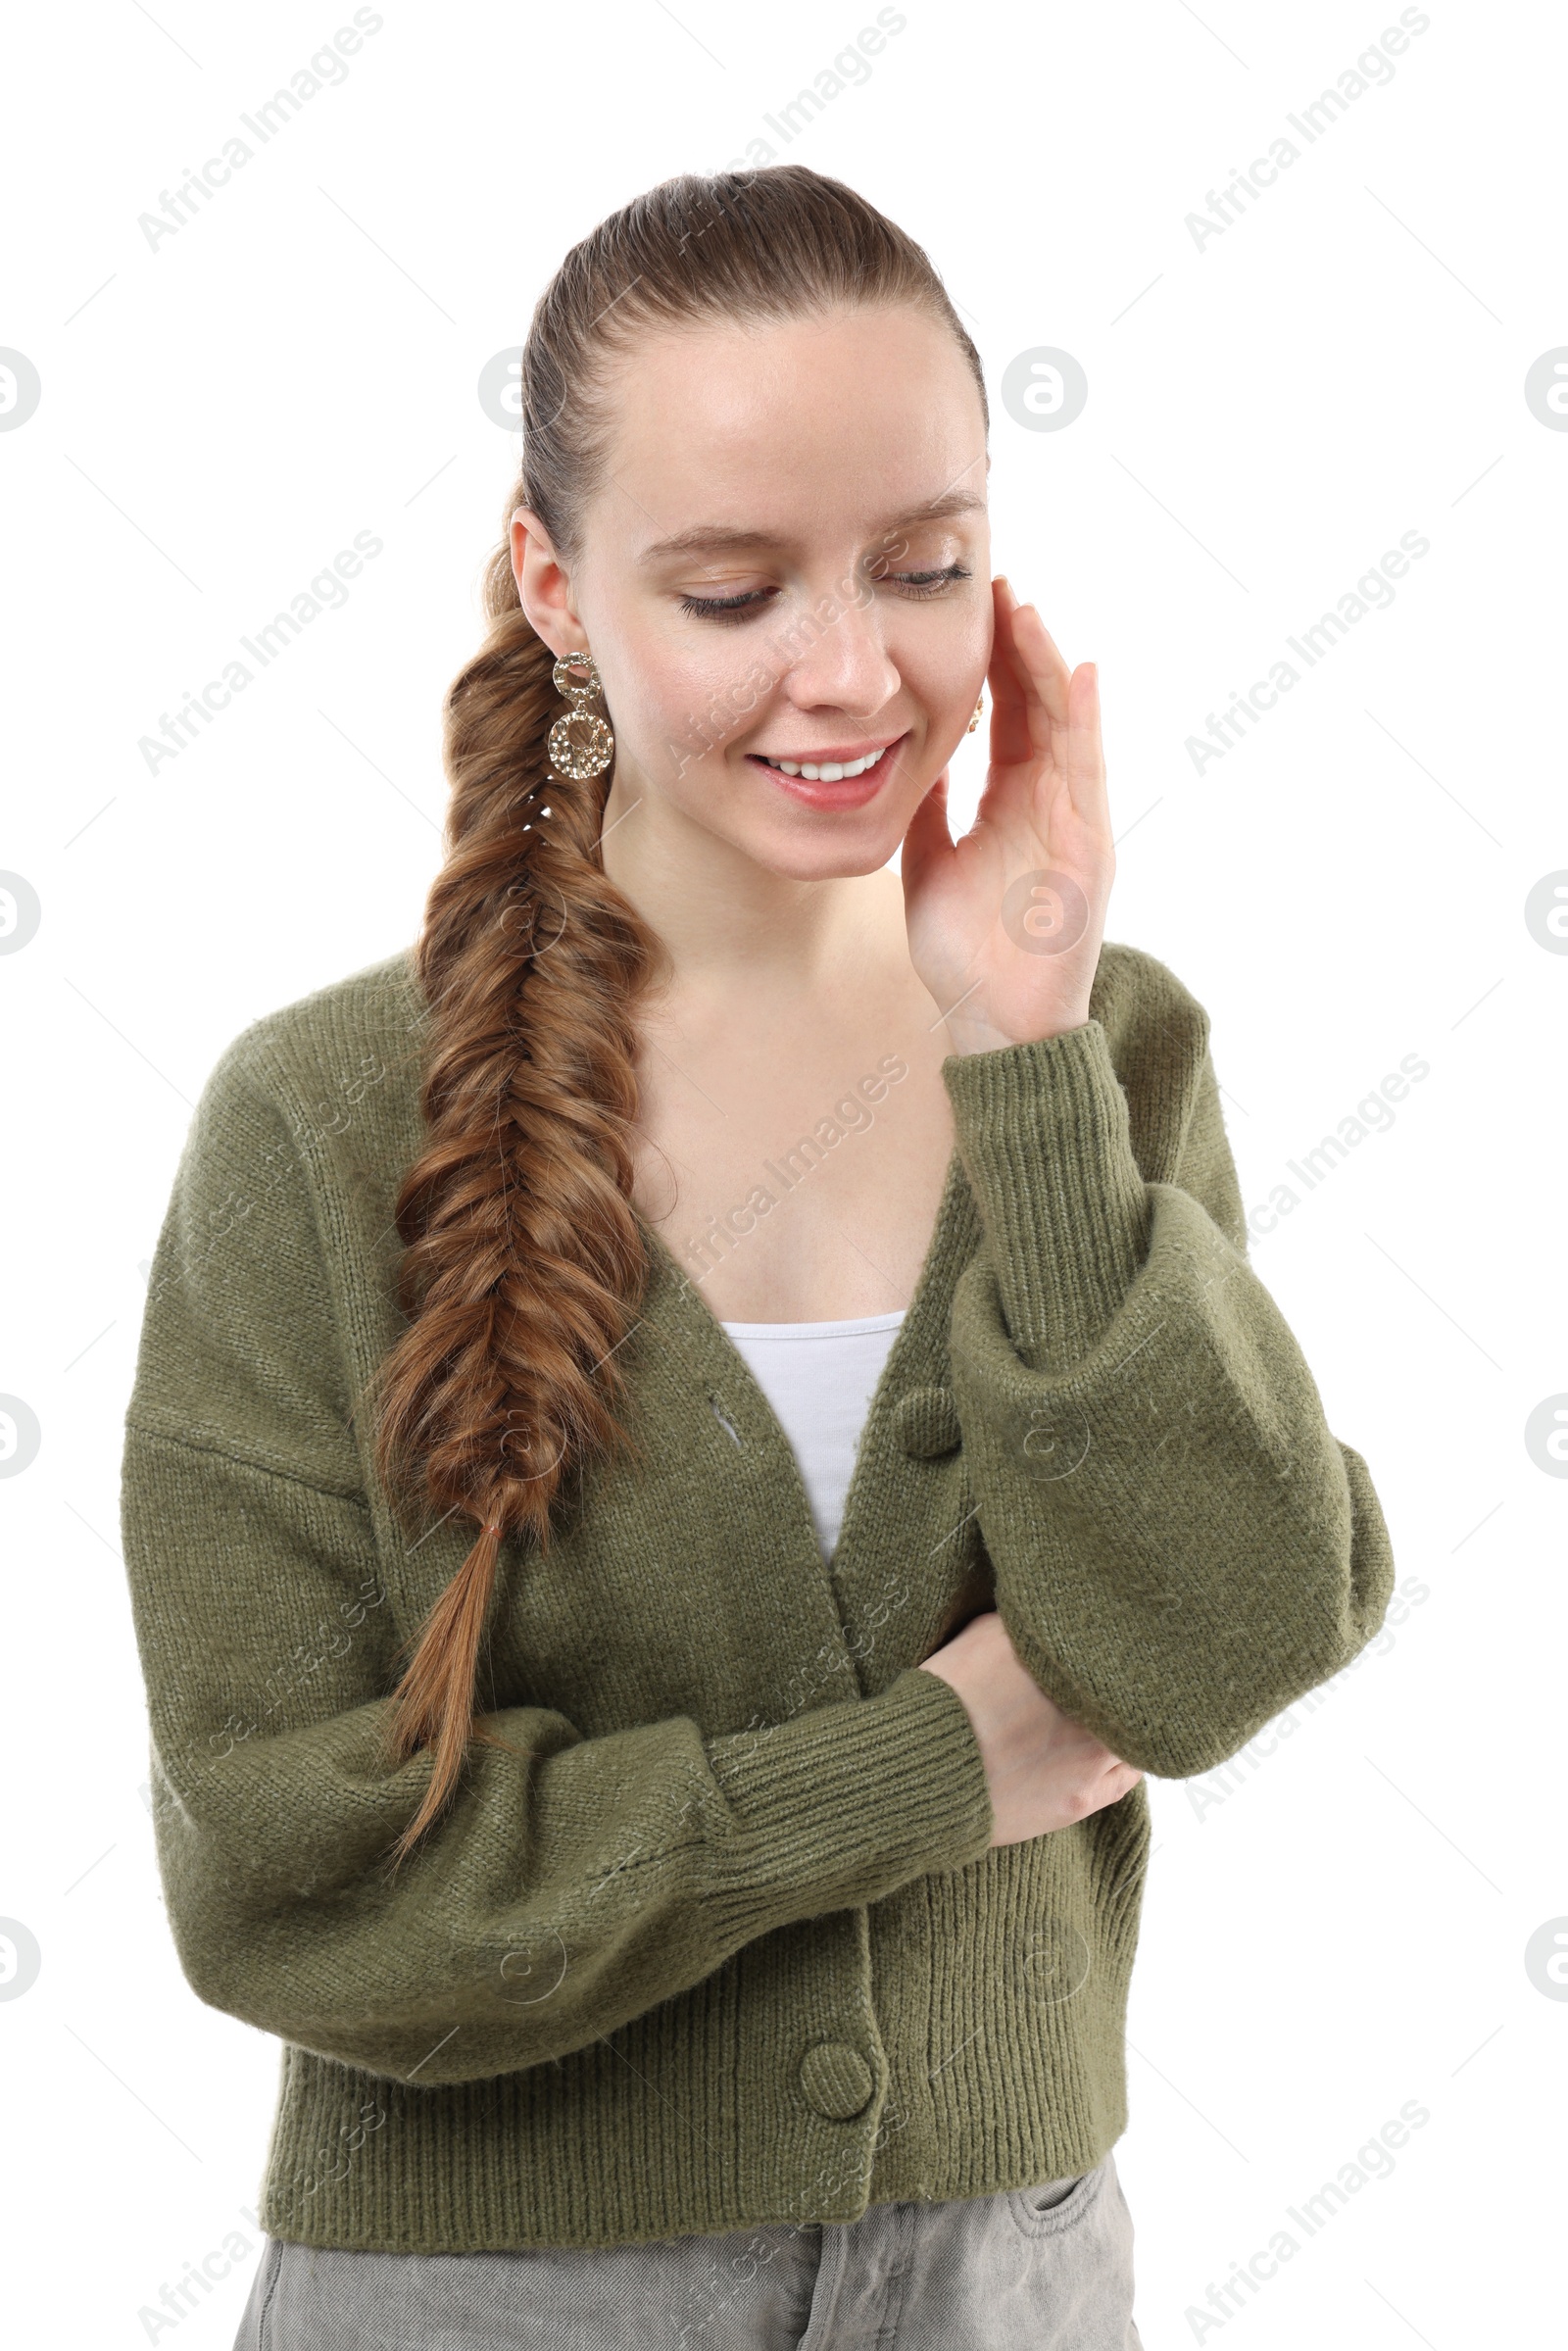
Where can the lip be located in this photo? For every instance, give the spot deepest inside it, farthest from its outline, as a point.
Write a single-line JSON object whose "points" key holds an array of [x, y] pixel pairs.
{"points": [[849, 792]]}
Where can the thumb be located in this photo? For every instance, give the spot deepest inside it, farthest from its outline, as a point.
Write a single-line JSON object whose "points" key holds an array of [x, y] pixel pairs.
{"points": [[928, 842]]}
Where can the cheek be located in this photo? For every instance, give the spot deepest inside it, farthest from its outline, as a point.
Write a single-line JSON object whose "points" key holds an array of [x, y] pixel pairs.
{"points": [[684, 699], [944, 666]]}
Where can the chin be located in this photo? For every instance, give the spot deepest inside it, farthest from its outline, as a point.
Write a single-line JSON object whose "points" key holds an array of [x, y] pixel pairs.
{"points": [[830, 849]]}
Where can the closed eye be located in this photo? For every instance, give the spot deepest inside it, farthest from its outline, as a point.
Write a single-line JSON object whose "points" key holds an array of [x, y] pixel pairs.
{"points": [[754, 600], [713, 607], [927, 583]]}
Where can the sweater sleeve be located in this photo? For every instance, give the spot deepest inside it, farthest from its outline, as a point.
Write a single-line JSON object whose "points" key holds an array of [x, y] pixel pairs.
{"points": [[1180, 1545], [575, 1883]]}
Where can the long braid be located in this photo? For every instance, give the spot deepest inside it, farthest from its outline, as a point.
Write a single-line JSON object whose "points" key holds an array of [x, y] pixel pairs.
{"points": [[524, 1260]]}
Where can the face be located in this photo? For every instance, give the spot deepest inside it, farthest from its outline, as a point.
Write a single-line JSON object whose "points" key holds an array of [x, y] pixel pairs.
{"points": [[786, 568]]}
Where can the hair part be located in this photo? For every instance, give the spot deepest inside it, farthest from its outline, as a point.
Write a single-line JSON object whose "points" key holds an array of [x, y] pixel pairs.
{"points": [[524, 1262]]}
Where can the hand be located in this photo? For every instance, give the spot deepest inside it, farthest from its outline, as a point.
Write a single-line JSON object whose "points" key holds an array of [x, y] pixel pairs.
{"points": [[1044, 1770], [1001, 975]]}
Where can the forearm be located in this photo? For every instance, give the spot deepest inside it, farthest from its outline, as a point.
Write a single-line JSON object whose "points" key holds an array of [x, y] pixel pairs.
{"points": [[1180, 1544]]}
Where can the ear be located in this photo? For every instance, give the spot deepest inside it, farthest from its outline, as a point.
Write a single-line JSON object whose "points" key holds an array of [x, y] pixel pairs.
{"points": [[543, 585]]}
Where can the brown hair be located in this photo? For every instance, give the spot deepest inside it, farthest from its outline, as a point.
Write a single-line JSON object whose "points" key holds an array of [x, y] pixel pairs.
{"points": [[524, 1263]]}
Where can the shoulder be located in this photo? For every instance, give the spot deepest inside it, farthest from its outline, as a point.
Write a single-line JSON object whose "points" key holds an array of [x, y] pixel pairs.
{"points": [[278, 1218], [300, 1138], [364, 1028]]}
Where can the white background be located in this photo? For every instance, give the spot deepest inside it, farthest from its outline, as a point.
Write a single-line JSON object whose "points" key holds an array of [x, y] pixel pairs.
{"points": [[1343, 1931]]}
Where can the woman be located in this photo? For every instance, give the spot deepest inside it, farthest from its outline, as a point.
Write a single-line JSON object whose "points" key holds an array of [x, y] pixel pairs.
{"points": [[696, 1889]]}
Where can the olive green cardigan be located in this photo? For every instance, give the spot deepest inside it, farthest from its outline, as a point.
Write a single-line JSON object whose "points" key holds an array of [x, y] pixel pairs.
{"points": [[720, 1941]]}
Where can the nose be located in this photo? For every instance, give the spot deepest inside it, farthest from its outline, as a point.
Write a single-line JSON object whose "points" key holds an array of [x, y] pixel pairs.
{"points": [[841, 663]]}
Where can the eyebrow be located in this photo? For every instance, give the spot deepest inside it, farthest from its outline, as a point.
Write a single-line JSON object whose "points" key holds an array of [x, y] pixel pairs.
{"points": [[714, 537]]}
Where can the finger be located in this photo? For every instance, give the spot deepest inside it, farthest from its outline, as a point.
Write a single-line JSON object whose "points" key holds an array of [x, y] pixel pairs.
{"points": [[1011, 738], [1031, 684], [1043, 674], [1080, 749], [1061, 708]]}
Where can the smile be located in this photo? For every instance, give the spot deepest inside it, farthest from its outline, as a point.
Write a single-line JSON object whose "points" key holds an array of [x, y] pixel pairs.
{"points": [[825, 771]]}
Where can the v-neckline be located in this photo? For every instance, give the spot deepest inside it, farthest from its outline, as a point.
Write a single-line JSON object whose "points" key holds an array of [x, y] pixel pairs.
{"points": [[662, 1257], [910, 1335]]}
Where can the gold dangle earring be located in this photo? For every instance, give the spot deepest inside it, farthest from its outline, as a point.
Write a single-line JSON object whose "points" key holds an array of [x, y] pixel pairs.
{"points": [[580, 742], [975, 720]]}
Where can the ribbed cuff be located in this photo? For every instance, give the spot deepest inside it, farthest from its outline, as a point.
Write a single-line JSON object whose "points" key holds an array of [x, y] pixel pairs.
{"points": [[1044, 1138], [854, 1800]]}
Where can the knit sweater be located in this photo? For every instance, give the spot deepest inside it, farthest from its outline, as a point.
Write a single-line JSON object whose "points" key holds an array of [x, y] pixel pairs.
{"points": [[718, 1939]]}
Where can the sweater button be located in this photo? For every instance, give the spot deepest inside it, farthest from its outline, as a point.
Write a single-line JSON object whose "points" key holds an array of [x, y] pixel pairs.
{"points": [[836, 2079], [927, 1423]]}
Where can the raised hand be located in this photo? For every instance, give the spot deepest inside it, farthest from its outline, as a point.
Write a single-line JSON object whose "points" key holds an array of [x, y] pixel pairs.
{"points": [[1005, 924]]}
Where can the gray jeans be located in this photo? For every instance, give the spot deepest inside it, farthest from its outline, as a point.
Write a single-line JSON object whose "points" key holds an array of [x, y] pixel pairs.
{"points": [[1047, 2268]]}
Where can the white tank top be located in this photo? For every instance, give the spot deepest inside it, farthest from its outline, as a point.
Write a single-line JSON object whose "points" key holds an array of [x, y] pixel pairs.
{"points": [[819, 1377]]}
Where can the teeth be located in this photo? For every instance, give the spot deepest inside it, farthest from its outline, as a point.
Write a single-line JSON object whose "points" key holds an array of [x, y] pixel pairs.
{"points": [[825, 771]]}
